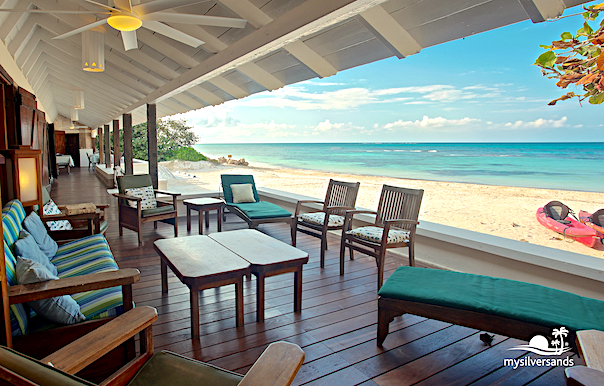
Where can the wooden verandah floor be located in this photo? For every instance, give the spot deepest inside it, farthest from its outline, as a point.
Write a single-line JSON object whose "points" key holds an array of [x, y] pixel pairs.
{"points": [[337, 325]]}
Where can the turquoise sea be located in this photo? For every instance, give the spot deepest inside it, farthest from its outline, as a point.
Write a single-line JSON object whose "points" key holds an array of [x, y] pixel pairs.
{"points": [[569, 166]]}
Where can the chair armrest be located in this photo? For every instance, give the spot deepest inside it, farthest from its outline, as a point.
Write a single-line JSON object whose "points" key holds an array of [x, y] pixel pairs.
{"points": [[277, 366], [71, 285], [400, 221], [299, 205], [583, 376], [350, 214], [591, 348], [87, 349], [127, 197], [168, 193], [64, 216], [332, 208]]}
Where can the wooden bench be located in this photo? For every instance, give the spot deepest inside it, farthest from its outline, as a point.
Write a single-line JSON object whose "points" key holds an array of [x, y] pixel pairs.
{"points": [[507, 307]]}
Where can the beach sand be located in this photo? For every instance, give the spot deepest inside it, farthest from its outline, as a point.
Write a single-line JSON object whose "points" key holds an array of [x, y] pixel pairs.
{"points": [[497, 210]]}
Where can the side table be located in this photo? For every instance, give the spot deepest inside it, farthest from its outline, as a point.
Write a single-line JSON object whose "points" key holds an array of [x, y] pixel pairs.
{"points": [[204, 205]]}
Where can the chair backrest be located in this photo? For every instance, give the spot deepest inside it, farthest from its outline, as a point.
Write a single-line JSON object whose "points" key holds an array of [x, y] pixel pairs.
{"points": [[229, 179], [133, 181], [398, 203], [341, 193]]}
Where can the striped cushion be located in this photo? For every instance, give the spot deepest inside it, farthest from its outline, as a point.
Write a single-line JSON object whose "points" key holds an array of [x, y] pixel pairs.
{"points": [[90, 255], [13, 215]]}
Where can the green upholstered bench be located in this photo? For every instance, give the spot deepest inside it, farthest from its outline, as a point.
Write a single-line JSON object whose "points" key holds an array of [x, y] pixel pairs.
{"points": [[508, 307]]}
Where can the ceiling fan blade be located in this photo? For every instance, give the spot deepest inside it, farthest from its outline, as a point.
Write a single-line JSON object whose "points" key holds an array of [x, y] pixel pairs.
{"points": [[130, 40], [172, 33], [50, 11], [185, 18], [160, 5], [108, 8], [84, 28], [123, 5]]}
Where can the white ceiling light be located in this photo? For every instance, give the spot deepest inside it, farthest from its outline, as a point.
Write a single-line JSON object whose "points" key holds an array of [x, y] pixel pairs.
{"points": [[78, 99], [93, 51], [75, 116]]}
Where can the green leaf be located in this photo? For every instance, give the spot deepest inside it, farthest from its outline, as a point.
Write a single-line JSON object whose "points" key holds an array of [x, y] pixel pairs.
{"points": [[587, 28], [546, 59], [545, 47], [581, 32], [597, 99], [566, 36]]}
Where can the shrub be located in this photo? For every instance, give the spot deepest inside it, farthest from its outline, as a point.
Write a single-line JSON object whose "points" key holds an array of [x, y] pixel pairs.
{"points": [[189, 154]]}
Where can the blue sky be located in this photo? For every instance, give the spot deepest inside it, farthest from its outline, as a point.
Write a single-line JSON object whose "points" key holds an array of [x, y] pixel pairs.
{"points": [[483, 88]]}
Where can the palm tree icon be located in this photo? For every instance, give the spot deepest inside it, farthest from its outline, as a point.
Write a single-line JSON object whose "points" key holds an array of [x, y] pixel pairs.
{"points": [[561, 333]]}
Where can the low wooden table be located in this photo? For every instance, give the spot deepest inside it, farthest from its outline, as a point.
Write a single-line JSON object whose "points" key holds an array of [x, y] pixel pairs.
{"points": [[200, 263], [268, 257], [204, 205]]}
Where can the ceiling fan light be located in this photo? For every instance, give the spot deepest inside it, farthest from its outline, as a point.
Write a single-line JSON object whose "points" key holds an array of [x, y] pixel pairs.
{"points": [[78, 99], [124, 22], [93, 51]]}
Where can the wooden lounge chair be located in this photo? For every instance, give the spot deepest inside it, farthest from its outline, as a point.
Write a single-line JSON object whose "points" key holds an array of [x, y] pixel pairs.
{"points": [[591, 348], [395, 225], [507, 307], [340, 197], [134, 218], [253, 211], [277, 366]]}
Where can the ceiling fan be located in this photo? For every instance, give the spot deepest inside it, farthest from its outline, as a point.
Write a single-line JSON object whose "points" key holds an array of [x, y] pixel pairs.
{"points": [[127, 19]]}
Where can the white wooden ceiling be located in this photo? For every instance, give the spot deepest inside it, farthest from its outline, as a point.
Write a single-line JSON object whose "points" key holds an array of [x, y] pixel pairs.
{"points": [[284, 42]]}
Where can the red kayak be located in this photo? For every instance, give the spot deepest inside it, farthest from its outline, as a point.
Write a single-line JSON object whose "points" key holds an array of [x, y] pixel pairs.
{"points": [[569, 227]]}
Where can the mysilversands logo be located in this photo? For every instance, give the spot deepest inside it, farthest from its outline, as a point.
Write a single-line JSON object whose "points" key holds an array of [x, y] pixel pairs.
{"points": [[542, 346]]}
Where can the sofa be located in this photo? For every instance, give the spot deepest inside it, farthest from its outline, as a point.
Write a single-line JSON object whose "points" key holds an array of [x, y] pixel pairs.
{"points": [[84, 264]]}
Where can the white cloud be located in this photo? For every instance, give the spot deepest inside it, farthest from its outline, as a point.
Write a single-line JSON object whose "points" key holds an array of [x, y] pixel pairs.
{"points": [[537, 123], [427, 122]]}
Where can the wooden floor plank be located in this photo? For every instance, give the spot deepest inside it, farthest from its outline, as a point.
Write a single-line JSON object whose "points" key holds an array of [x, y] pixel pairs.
{"points": [[337, 325]]}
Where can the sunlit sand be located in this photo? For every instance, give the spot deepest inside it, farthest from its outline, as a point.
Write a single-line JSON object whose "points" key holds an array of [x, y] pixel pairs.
{"points": [[497, 210]]}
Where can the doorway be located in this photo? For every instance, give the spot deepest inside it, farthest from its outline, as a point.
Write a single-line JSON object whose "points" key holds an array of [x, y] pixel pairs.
{"points": [[72, 147]]}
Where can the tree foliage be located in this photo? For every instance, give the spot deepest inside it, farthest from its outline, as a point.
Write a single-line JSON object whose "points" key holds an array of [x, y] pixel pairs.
{"points": [[578, 59], [171, 136]]}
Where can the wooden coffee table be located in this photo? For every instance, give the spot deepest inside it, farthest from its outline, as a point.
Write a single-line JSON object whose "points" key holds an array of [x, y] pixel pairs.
{"points": [[204, 205], [200, 263], [268, 257]]}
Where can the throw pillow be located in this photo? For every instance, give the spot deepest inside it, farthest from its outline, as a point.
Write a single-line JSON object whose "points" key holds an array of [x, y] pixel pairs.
{"points": [[60, 309], [36, 228], [374, 234], [51, 208], [319, 218], [147, 195], [27, 248], [242, 193]]}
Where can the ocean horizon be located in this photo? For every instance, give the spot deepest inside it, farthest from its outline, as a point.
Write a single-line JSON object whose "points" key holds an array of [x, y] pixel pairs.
{"points": [[546, 165]]}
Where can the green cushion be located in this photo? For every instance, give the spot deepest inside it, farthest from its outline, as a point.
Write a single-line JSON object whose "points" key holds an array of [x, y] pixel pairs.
{"points": [[229, 179], [37, 372], [166, 368], [494, 296], [158, 210], [133, 181], [260, 210]]}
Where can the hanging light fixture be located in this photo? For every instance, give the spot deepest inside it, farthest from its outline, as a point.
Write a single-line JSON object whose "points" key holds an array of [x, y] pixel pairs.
{"points": [[75, 116], [125, 22], [93, 51], [78, 99]]}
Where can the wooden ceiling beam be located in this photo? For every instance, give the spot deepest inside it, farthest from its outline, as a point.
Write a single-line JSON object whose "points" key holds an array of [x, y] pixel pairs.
{"points": [[229, 87], [207, 96], [389, 31], [246, 10], [311, 59], [260, 76]]}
